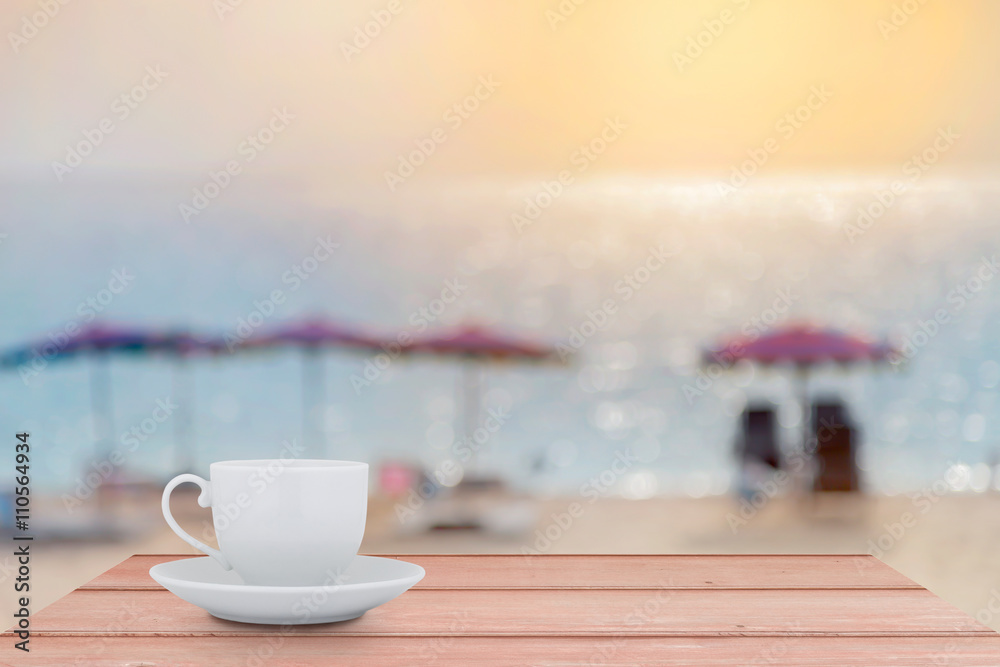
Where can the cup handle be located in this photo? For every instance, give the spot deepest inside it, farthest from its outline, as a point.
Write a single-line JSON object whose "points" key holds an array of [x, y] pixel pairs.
{"points": [[205, 500]]}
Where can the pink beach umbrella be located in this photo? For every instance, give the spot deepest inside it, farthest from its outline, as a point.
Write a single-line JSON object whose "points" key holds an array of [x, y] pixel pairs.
{"points": [[476, 346], [182, 346], [99, 341], [479, 343], [804, 347], [312, 336]]}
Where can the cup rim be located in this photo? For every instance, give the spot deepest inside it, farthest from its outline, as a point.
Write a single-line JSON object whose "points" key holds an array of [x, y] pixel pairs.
{"points": [[292, 464]]}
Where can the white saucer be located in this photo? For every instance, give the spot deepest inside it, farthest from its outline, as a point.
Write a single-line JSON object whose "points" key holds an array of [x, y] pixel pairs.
{"points": [[365, 584]]}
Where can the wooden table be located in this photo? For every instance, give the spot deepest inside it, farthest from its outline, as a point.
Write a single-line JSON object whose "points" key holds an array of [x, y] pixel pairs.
{"points": [[555, 610]]}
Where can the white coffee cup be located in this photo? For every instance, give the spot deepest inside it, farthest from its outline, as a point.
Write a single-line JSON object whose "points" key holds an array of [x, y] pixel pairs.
{"points": [[282, 522]]}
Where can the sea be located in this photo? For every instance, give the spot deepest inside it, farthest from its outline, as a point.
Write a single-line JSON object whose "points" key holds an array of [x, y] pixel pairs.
{"points": [[630, 277]]}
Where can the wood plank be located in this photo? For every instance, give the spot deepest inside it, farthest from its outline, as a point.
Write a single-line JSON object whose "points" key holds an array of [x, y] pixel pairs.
{"points": [[565, 612], [601, 571], [492, 651]]}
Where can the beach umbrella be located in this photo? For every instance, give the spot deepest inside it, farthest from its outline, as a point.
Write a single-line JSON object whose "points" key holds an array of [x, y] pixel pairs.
{"points": [[102, 340], [312, 336], [99, 341], [803, 347], [182, 346], [476, 346]]}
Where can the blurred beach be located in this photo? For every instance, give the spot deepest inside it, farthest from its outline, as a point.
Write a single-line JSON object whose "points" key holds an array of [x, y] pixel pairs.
{"points": [[636, 381]]}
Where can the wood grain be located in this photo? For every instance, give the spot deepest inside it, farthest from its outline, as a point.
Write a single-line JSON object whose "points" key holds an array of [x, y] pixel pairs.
{"points": [[493, 652], [543, 610], [554, 612], [556, 571]]}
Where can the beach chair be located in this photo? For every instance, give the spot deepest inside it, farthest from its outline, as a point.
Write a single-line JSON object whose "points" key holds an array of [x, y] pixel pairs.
{"points": [[836, 444], [757, 442], [757, 451]]}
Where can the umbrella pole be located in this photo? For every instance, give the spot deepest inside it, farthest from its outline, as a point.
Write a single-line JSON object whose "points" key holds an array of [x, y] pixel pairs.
{"points": [[320, 421], [802, 374], [312, 396], [103, 416], [464, 390], [100, 405], [183, 392], [472, 379]]}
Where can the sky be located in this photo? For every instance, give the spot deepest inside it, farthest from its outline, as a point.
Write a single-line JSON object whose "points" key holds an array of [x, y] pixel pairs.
{"points": [[557, 78]]}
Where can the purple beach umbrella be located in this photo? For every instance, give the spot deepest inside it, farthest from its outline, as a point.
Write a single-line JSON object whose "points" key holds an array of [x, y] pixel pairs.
{"points": [[312, 336], [476, 345], [99, 341]]}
